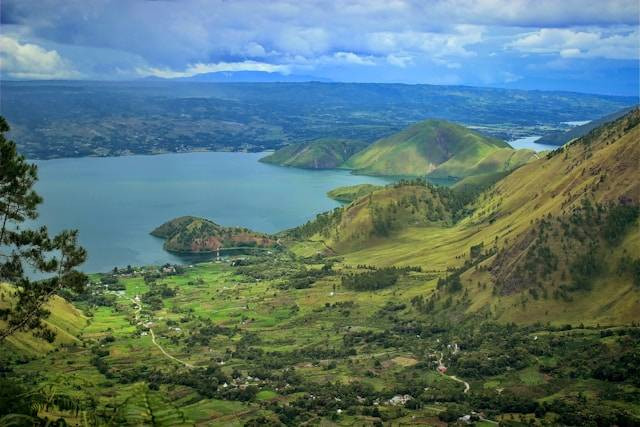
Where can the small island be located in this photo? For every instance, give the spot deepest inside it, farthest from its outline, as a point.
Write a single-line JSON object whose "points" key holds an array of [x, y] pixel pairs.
{"points": [[193, 235]]}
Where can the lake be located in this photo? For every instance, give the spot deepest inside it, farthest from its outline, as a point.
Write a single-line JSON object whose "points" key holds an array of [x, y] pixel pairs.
{"points": [[115, 202], [530, 143]]}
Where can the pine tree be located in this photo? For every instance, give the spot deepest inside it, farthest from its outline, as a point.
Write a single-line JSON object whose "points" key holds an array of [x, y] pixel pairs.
{"points": [[25, 250]]}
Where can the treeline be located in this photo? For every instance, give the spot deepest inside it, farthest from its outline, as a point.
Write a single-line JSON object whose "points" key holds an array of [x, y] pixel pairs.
{"points": [[372, 280], [322, 224]]}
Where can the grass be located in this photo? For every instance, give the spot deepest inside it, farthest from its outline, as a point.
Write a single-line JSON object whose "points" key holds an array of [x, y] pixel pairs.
{"points": [[253, 306], [420, 149]]}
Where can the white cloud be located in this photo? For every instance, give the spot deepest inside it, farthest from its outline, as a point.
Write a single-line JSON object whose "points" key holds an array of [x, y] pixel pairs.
{"points": [[439, 45], [30, 61], [352, 58], [200, 68], [399, 60], [579, 44]]}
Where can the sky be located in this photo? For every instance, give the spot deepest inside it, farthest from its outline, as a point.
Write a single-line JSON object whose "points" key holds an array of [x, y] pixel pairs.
{"points": [[576, 45]]}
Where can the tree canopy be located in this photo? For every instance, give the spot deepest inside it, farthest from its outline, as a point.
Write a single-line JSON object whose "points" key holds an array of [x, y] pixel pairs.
{"points": [[27, 252]]}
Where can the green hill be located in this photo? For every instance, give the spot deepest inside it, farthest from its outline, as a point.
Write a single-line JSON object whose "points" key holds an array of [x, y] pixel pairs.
{"points": [[319, 154], [555, 240], [561, 138], [436, 148], [188, 234], [65, 320], [352, 192]]}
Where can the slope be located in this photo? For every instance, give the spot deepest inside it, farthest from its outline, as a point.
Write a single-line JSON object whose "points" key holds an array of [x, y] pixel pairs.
{"points": [[557, 233], [434, 147], [561, 138], [319, 154], [352, 192], [65, 321]]}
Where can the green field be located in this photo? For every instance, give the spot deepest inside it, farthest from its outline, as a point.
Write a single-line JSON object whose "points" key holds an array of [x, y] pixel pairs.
{"points": [[514, 302]]}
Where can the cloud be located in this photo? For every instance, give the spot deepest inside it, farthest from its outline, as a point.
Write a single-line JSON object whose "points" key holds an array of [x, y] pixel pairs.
{"points": [[30, 61], [390, 40], [544, 13], [200, 68], [352, 58], [579, 44], [399, 60]]}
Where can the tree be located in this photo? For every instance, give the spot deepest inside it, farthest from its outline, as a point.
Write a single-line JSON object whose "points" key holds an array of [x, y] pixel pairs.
{"points": [[23, 251]]}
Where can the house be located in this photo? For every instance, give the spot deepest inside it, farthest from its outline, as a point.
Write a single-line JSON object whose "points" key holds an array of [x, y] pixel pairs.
{"points": [[400, 399]]}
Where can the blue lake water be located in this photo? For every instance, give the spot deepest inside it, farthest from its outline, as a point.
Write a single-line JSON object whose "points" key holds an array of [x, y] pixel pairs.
{"points": [[530, 143], [115, 202]]}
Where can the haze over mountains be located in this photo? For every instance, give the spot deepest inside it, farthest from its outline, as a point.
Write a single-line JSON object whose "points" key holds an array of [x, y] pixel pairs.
{"points": [[74, 118], [243, 76]]}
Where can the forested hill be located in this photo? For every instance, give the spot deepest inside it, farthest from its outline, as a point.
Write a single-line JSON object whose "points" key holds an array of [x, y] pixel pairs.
{"points": [[188, 234]]}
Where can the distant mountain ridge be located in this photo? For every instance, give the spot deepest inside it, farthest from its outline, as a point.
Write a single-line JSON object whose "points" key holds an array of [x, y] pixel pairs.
{"points": [[246, 77]]}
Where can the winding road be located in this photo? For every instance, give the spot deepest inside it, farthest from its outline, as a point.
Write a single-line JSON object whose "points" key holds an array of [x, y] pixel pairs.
{"points": [[138, 309], [453, 377]]}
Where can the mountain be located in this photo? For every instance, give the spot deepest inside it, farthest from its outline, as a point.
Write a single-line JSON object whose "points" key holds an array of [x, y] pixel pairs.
{"points": [[188, 234], [324, 153], [561, 138], [249, 77], [352, 192], [439, 149], [554, 240]]}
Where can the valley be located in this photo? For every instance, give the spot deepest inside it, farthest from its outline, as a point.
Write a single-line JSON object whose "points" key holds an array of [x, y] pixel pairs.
{"points": [[489, 302], [320, 213]]}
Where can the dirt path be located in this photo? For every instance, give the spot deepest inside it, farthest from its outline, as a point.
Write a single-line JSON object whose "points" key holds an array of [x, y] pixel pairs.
{"points": [[138, 309], [453, 377]]}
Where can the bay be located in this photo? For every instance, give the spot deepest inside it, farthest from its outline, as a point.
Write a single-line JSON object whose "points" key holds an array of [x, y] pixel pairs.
{"points": [[115, 202]]}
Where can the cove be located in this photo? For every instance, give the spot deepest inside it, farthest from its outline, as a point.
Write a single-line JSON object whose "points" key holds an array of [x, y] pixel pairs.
{"points": [[115, 202]]}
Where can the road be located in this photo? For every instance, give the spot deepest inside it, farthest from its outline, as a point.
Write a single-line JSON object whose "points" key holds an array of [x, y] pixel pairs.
{"points": [[453, 377], [138, 309]]}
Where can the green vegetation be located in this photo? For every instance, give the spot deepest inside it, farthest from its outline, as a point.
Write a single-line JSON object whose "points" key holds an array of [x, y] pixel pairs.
{"points": [[188, 234], [506, 299], [438, 149], [350, 193], [318, 154], [22, 248]]}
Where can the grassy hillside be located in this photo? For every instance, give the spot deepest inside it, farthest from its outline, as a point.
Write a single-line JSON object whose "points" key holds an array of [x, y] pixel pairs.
{"points": [[190, 234], [65, 321], [320, 154], [532, 232], [378, 215], [561, 138], [501, 160], [352, 192], [439, 149]]}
